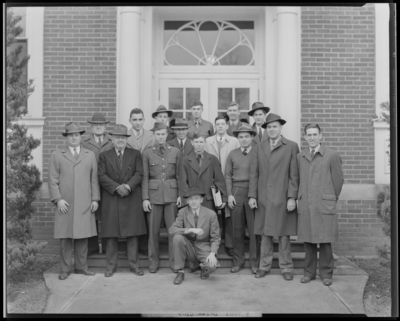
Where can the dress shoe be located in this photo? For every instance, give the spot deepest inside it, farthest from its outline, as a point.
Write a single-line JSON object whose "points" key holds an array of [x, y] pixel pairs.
{"points": [[261, 274], [84, 272], [205, 273], [288, 276], [63, 276], [195, 269], [174, 270], [153, 270], [136, 271], [179, 278], [327, 282], [108, 273], [306, 279], [229, 251], [254, 270], [235, 269]]}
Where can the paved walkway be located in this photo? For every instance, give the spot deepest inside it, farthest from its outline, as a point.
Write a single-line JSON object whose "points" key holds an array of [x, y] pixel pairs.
{"points": [[223, 294]]}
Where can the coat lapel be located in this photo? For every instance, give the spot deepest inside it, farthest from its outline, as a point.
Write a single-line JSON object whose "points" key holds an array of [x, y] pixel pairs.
{"points": [[202, 217], [67, 153], [190, 216], [125, 161], [215, 145], [84, 152], [114, 161], [146, 139], [265, 147], [206, 162], [193, 163]]}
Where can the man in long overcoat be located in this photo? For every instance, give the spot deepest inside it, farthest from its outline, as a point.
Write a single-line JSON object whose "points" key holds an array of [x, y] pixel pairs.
{"points": [[99, 141], [120, 175], [274, 180], [74, 188], [321, 181]]}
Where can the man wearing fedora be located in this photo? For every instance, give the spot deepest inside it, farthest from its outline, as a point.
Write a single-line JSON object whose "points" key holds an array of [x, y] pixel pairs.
{"points": [[181, 141], [120, 175], [140, 138], [160, 191], [258, 112], [74, 189], [198, 125], [99, 141], [162, 115], [220, 145], [321, 181], [274, 181], [237, 178], [196, 237], [233, 112]]}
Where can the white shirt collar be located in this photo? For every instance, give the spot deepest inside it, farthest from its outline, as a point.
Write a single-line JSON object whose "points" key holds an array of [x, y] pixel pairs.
{"points": [[78, 149], [316, 149], [136, 133], [248, 149], [96, 138], [183, 140], [122, 151]]}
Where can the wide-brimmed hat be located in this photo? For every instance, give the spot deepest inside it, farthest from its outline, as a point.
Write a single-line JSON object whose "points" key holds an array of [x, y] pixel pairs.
{"points": [[72, 128], [244, 128], [194, 190], [257, 106], [98, 118], [273, 117], [180, 123], [162, 109], [120, 130], [159, 126]]}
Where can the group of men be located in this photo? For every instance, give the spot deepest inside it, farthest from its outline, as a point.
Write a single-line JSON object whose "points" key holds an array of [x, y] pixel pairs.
{"points": [[134, 180]]}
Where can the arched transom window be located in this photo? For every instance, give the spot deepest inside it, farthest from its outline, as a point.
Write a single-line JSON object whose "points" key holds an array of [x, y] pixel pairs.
{"points": [[209, 43]]}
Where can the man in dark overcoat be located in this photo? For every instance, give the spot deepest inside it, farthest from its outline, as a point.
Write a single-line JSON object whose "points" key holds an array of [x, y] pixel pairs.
{"points": [[120, 174], [160, 191], [274, 181], [202, 169], [99, 141], [321, 181], [74, 189]]}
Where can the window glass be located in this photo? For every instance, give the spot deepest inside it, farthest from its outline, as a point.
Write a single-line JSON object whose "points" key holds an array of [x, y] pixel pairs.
{"points": [[180, 101]]}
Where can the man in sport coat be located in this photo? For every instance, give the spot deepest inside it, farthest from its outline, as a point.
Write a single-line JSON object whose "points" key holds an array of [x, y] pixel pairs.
{"points": [[160, 191], [120, 175], [74, 189], [321, 181], [234, 123], [181, 141], [195, 237], [99, 141], [274, 181], [140, 138], [259, 112]]}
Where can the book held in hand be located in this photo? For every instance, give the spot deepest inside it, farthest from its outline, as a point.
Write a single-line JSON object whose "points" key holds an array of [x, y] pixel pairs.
{"points": [[216, 196]]}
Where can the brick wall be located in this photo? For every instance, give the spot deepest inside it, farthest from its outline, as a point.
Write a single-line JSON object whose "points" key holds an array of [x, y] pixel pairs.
{"points": [[79, 79], [338, 83]]}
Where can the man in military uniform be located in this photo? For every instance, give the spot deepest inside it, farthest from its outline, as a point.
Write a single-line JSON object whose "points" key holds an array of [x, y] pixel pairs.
{"points": [[198, 125], [160, 191]]}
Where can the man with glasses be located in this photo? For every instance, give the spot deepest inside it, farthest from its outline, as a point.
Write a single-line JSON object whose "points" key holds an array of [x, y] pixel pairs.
{"points": [[196, 237], [99, 141], [120, 175], [198, 125], [321, 181]]}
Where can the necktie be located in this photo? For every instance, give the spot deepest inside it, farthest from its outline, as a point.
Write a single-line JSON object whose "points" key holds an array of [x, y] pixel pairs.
{"points": [[312, 153], [181, 144], [99, 142], [162, 150], [196, 218], [259, 133], [245, 152], [76, 155], [197, 125], [120, 158], [198, 158]]}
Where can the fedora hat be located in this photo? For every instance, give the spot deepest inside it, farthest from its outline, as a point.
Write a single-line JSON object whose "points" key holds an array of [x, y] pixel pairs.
{"points": [[273, 117], [244, 128], [159, 126], [98, 118], [194, 190], [162, 109], [120, 130], [72, 128], [257, 106], [180, 123]]}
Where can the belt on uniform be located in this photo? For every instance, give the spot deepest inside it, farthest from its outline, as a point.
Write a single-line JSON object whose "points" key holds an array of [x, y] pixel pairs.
{"points": [[163, 177]]}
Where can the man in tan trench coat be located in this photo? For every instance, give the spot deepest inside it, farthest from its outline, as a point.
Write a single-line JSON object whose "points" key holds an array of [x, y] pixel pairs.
{"points": [[273, 192], [321, 181], [74, 188]]}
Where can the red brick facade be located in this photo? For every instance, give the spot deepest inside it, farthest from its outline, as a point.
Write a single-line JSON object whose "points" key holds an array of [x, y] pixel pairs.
{"points": [[337, 92]]}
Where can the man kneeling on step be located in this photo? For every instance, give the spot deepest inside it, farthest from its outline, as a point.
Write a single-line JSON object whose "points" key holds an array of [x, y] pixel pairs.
{"points": [[195, 234]]}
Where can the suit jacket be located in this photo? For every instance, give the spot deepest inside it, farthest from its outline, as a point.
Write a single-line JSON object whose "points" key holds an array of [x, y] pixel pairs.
{"points": [[190, 174], [229, 144], [210, 240], [75, 181], [147, 141], [232, 128], [121, 216], [257, 138], [157, 190], [187, 148], [321, 181]]}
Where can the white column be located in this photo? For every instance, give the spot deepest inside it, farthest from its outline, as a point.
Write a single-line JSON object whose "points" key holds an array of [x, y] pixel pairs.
{"points": [[128, 64], [287, 71]]}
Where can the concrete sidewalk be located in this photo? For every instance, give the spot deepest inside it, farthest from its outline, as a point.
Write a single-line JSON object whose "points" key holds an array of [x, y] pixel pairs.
{"points": [[223, 294]]}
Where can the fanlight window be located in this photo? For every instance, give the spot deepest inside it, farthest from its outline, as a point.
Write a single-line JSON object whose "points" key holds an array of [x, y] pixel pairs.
{"points": [[209, 43]]}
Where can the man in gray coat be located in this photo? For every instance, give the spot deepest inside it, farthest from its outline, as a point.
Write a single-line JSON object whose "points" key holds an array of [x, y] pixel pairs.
{"points": [[321, 181]]}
